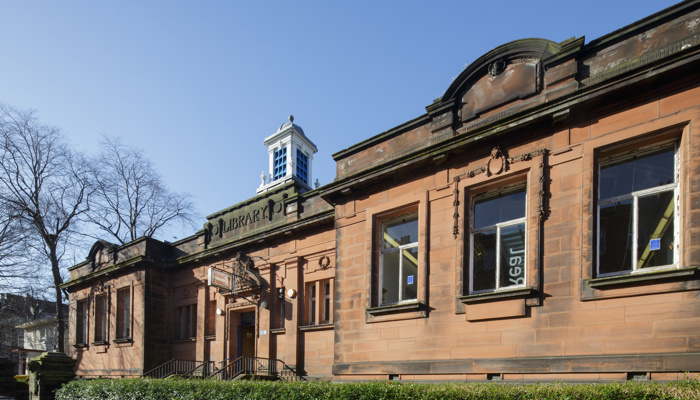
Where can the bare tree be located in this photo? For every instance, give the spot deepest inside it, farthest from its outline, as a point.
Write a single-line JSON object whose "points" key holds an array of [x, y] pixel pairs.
{"points": [[45, 186], [131, 200], [17, 272]]}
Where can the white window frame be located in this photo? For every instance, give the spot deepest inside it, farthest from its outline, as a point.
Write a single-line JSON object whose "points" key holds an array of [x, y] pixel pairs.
{"points": [[313, 299], [326, 302], [499, 226], [320, 302], [383, 251], [634, 196]]}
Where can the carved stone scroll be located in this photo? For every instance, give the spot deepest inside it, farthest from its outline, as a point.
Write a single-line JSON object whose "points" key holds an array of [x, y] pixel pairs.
{"points": [[497, 164]]}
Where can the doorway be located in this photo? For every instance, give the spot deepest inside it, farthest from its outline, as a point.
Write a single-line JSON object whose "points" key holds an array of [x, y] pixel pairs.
{"points": [[246, 334]]}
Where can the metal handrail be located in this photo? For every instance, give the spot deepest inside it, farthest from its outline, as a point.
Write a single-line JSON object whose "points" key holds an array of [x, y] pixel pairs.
{"points": [[201, 371], [230, 358], [253, 366], [172, 367], [247, 366]]}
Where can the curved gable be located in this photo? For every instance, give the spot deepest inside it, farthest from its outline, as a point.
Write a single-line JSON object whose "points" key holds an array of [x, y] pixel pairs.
{"points": [[101, 253], [509, 72]]}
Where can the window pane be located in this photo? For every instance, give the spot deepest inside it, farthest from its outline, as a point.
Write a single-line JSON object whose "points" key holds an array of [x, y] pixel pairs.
{"points": [[123, 311], [491, 211], [327, 302], [390, 277], [312, 306], [640, 173], [400, 232], [513, 255], [616, 237], [81, 322], [616, 180], [655, 230], [410, 274], [484, 260], [653, 170]]}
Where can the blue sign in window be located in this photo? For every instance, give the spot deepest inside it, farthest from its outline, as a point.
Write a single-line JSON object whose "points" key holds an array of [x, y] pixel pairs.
{"points": [[655, 244]]}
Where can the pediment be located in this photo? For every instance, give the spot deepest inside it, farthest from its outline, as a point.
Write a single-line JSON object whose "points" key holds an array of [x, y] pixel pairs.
{"points": [[102, 253], [507, 73]]}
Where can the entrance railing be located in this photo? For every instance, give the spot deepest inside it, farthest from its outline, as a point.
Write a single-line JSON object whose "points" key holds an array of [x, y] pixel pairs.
{"points": [[171, 368], [247, 366], [201, 371], [256, 367]]}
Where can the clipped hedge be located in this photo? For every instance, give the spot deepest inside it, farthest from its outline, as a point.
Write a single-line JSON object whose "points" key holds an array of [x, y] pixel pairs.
{"points": [[151, 389]]}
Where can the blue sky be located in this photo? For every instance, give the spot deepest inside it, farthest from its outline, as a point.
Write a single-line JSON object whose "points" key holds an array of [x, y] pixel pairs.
{"points": [[198, 85]]}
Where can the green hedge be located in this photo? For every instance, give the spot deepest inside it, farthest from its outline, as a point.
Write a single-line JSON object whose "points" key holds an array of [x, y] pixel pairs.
{"points": [[150, 389]]}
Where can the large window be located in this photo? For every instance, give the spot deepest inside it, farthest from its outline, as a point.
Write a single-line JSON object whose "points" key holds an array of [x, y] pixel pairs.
{"points": [[279, 168], [637, 227], [101, 312], [81, 322], [320, 302], [398, 260], [186, 318], [498, 241], [124, 313]]}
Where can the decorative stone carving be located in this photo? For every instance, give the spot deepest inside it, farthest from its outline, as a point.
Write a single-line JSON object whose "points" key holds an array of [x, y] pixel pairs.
{"points": [[497, 67], [497, 163]]}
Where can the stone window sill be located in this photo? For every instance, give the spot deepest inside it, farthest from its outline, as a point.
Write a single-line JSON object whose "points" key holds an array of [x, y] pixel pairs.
{"points": [[499, 295], [652, 282], [185, 340], [395, 312], [123, 340], [319, 327], [277, 330], [395, 308], [210, 337], [101, 343], [81, 345], [640, 277]]}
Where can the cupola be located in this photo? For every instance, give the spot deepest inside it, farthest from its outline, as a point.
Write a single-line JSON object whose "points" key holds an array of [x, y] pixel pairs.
{"points": [[290, 156]]}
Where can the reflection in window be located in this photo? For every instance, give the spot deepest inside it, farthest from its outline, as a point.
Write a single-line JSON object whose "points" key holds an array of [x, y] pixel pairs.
{"points": [[186, 319], [399, 260], [81, 322], [636, 213], [101, 311], [498, 242], [123, 313], [320, 302]]}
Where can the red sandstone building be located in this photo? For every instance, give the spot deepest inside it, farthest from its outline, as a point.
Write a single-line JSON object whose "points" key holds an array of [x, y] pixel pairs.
{"points": [[541, 221]]}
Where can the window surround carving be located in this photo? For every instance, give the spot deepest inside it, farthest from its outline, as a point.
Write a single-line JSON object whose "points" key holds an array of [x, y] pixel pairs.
{"points": [[533, 176]]}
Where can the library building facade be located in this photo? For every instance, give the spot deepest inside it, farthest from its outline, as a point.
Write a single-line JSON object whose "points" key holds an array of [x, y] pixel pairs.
{"points": [[541, 221]]}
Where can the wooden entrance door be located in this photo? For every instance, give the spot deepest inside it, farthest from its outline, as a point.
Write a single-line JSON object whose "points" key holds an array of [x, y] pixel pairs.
{"points": [[247, 341], [246, 334]]}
